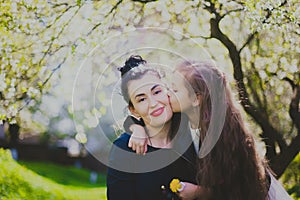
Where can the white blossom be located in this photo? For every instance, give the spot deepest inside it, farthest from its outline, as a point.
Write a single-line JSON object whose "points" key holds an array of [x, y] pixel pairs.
{"points": [[2, 82], [32, 92], [12, 110], [10, 93], [13, 82]]}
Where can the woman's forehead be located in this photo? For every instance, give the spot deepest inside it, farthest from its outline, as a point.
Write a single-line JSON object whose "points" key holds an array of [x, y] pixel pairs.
{"points": [[143, 84]]}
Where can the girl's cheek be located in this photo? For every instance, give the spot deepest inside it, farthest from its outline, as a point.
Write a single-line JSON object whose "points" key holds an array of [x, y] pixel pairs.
{"points": [[173, 103]]}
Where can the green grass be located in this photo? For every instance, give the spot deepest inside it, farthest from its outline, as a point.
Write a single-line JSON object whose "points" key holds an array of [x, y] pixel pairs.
{"points": [[66, 175], [42, 181], [291, 178]]}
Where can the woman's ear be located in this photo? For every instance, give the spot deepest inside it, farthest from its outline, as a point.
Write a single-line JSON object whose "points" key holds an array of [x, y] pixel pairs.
{"points": [[133, 112]]}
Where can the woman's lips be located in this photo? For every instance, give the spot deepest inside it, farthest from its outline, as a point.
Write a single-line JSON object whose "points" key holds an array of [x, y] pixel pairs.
{"points": [[157, 112]]}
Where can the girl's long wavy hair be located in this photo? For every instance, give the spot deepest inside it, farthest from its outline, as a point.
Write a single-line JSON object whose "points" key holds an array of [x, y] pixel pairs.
{"points": [[232, 169]]}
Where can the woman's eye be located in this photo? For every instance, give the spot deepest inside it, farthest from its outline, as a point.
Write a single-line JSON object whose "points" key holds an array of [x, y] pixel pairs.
{"points": [[141, 99], [157, 91]]}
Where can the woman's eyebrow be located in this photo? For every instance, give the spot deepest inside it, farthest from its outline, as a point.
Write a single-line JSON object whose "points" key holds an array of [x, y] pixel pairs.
{"points": [[152, 88], [155, 86], [139, 95]]}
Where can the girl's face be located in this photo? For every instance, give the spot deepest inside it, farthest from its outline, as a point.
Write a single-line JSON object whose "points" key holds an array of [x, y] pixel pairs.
{"points": [[180, 98], [150, 101]]}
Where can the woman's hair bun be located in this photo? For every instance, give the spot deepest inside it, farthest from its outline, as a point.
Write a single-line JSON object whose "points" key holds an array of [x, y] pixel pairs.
{"points": [[132, 62]]}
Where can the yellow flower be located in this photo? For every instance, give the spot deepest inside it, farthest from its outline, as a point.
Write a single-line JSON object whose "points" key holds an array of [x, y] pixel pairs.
{"points": [[176, 185]]}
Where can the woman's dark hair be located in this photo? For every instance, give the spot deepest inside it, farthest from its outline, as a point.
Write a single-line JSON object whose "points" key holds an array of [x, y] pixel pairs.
{"points": [[132, 62], [134, 69]]}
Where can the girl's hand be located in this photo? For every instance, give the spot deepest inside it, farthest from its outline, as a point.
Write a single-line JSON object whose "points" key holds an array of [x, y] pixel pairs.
{"points": [[189, 192], [192, 191], [138, 140]]}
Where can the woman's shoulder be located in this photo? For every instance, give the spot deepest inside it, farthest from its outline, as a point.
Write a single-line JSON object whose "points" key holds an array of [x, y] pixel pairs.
{"points": [[122, 141]]}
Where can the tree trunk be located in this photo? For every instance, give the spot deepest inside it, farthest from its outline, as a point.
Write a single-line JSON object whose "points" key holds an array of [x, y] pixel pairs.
{"points": [[14, 135], [271, 136]]}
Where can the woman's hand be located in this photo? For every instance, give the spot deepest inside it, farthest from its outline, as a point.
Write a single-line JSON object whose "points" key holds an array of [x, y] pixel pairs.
{"points": [[139, 139], [192, 192]]}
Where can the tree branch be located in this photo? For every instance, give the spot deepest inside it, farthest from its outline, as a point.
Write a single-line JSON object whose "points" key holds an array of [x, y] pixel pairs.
{"points": [[269, 12], [54, 70], [111, 10], [231, 11], [254, 93], [250, 38], [27, 99], [281, 162], [57, 36], [294, 109], [200, 36], [55, 20], [269, 132], [290, 81], [144, 1]]}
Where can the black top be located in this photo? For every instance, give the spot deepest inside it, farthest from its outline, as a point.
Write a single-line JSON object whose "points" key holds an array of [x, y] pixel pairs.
{"points": [[136, 177]]}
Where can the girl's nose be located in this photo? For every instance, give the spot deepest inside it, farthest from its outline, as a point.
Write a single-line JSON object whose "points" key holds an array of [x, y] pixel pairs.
{"points": [[168, 93]]}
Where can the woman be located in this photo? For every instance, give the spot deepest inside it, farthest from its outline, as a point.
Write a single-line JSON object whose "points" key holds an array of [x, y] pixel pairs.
{"points": [[228, 163], [131, 177]]}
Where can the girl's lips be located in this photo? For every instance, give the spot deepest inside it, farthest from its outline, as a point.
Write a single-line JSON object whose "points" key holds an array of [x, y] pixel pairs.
{"points": [[157, 112]]}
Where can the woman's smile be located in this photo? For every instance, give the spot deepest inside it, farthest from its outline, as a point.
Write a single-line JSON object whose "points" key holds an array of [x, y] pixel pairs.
{"points": [[157, 112]]}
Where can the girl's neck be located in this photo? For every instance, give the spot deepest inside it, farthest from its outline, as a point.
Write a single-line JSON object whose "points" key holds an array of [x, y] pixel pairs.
{"points": [[159, 136], [194, 119]]}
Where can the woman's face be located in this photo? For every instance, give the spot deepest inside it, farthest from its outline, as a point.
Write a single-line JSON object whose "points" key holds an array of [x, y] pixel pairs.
{"points": [[180, 97], [150, 101]]}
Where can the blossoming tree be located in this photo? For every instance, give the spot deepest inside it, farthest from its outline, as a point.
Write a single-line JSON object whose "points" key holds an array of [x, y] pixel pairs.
{"points": [[257, 39]]}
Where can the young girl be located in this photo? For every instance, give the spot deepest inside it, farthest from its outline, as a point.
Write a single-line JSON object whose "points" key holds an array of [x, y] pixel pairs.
{"points": [[132, 177], [228, 163], [232, 169]]}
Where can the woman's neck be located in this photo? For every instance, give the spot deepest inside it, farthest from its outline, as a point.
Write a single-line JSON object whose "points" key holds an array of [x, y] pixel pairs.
{"points": [[159, 136]]}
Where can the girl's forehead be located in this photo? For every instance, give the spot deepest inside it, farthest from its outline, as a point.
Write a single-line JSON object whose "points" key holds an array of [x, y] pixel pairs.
{"points": [[175, 78]]}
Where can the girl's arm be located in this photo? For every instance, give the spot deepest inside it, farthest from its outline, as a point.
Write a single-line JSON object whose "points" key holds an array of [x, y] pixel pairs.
{"points": [[192, 191], [138, 140]]}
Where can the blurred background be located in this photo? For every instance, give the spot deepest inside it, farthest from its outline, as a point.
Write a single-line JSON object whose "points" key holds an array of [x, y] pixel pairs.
{"points": [[60, 103]]}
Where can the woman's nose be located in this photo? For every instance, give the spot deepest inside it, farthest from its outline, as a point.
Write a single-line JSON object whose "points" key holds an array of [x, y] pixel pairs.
{"points": [[153, 102]]}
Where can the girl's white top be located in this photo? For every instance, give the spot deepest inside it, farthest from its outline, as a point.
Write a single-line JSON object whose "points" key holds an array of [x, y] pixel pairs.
{"points": [[196, 137], [276, 190]]}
